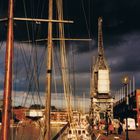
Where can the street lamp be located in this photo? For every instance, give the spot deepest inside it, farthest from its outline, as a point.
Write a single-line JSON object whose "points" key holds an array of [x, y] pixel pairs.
{"points": [[125, 81]]}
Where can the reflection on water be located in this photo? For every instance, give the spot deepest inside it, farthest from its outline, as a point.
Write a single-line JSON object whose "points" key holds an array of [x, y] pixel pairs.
{"points": [[30, 132]]}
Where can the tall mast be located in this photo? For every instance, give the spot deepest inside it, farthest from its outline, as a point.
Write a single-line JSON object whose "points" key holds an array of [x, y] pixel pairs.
{"points": [[49, 73], [8, 76]]}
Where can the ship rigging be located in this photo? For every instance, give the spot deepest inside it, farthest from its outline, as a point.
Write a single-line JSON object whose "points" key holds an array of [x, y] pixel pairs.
{"points": [[9, 64]]}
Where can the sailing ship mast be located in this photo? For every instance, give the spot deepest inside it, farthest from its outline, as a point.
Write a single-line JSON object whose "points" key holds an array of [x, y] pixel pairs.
{"points": [[8, 76], [8, 70], [49, 73]]}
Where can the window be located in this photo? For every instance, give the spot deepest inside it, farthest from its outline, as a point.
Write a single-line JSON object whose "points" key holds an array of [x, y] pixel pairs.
{"points": [[70, 132], [79, 132]]}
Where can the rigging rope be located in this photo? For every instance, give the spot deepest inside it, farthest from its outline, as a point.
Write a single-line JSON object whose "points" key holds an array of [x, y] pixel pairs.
{"points": [[64, 65], [32, 73], [28, 70], [88, 29]]}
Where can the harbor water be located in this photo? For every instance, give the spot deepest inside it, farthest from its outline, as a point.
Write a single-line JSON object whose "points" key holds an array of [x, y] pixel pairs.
{"points": [[30, 132]]}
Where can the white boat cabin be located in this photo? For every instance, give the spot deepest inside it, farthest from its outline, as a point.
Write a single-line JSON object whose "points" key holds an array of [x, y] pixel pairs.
{"points": [[78, 133]]}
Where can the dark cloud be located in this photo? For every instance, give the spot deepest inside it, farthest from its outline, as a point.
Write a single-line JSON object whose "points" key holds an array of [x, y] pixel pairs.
{"points": [[125, 56], [119, 17], [121, 35]]}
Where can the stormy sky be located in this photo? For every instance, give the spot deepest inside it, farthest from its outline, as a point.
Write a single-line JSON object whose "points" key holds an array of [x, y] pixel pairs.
{"points": [[121, 36]]}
